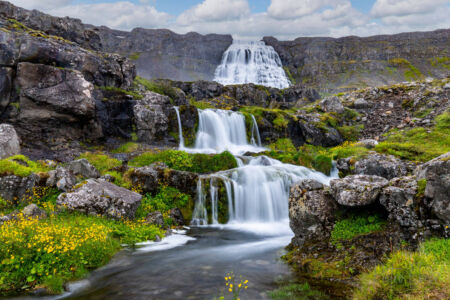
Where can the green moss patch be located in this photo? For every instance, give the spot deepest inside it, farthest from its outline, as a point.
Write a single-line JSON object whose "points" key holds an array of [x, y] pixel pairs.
{"points": [[162, 88], [356, 225], [20, 165]]}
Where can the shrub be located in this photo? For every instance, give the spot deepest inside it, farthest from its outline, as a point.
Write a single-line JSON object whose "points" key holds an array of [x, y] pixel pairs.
{"points": [[60, 248], [424, 274], [356, 225], [20, 165]]}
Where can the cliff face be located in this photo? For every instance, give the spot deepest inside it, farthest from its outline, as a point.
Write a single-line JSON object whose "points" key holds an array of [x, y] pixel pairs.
{"points": [[157, 53], [354, 62]]}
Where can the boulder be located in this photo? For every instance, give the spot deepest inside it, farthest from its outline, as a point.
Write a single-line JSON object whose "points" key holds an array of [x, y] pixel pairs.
{"points": [[386, 166], [155, 218], [177, 216], [150, 178], [315, 134], [99, 197], [83, 168], [368, 143], [332, 104], [151, 118], [436, 172], [357, 190], [361, 104], [32, 211], [311, 211], [62, 179], [9, 141], [16, 189], [399, 199]]}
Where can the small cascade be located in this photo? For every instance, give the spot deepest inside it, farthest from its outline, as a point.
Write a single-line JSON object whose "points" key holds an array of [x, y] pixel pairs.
{"points": [[180, 128], [256, 138], [251, 62]]}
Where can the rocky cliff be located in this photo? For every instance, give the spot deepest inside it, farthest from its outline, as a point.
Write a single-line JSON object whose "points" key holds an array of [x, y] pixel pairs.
{"points": [[157, 53], [355, 62]]}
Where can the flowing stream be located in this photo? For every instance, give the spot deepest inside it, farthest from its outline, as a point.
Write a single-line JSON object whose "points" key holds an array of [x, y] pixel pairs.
{"points": [[192, 264], [251, 62]]}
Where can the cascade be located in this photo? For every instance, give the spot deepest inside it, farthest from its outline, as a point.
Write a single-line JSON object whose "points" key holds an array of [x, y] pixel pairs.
{"points": [[257, 191], [251, 62]]}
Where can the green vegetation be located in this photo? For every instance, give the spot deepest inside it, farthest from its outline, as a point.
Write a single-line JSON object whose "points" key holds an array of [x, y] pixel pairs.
{"points": [[424, 274], [15, 25], [419, 144], [421, 185], [356, 225], [127, 148], [289, 75], [183, 161], [411, 73], [162, 88], [284, 144], [166, 199], [63, 247], [296, 291], [350, 133], [101, 161], [280, 122], [20, 165], [113, 89], [201, 104], [441, 62], [135, 56]]}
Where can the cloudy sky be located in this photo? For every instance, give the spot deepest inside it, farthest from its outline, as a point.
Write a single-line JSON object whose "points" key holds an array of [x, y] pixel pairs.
{"points": [[253, 19]]}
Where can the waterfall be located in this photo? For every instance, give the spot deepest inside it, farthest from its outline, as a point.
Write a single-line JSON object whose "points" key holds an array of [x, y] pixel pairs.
{"points": [[251, 62], [180, 128]]}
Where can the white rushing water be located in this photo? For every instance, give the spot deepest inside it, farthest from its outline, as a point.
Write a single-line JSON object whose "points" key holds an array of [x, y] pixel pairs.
{"points": [[251, 62], [257, 191]]}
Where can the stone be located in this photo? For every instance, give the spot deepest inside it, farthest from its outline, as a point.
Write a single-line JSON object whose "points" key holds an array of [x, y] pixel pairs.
{"points": [[9, 141], [16, 189], [361, 104], [83, 168], [386, 166], [332, 104], [155, 218], [61, 178], [311, 212], [151, 117], [357, 190], [99, 197], [177, 216], [437, 174], [368, 143], [33, 210]]}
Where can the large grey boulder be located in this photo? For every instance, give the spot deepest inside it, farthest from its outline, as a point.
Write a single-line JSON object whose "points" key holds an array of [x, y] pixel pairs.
{"points": [[61, 178], [150, 178], [357, 190], [83, 168], [311, 211], [436, 172], [33, 211], [100, 197], [386, 166], [9, 141], [16, 189], [151, 118], [332, 104]]}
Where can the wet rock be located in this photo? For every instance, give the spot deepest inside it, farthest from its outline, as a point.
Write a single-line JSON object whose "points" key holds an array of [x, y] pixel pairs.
{"points": [[177, 216], [436, 172], [151, 117], [332, 104], [83, 168], [311, 211], [16, 188], [386, 166], [33, 210], [155, 218], [9, 141], [99, 197], [61, 178], [357, 190]]}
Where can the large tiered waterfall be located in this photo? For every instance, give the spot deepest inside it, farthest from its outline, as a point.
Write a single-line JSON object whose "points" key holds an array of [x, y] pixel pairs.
{"points": [[257, 191], [251, 62]]}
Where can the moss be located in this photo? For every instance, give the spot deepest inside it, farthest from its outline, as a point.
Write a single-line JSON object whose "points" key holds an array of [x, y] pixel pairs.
{"points": [[423, 113], [284, 144], [289, 75], [280, 122], [322, 163], [15, 25], [350, 133], [443, 62], [296, 292], [411, 72], [421, 185], [162, 88], [135, 56], [128, 147], [21, 166], [101, 161], [201, 104], [117, 90], [356, 225]]}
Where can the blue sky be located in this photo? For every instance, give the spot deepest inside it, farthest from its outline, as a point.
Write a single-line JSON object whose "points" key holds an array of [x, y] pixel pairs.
{"points": [[253, 19]]}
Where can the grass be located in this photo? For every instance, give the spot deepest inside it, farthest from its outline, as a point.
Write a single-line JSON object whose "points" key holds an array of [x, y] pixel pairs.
{"points": [[350, 133], [128, 147], [157, 87], [411, 72], [47, 253], [183, 161], [296, 291], [424, 274], [101, 161], [117, 90], [356, 225], [21, 166], [419, 144]]}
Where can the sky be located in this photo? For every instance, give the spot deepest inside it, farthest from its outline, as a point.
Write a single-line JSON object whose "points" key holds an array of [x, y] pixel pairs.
{"points": [[254, 19]]}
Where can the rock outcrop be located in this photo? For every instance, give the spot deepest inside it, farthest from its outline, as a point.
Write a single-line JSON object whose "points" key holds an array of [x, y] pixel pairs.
{"points": [[357, 190], [83, 168], [386, 166], [16, 189], [61, 178], [9, 141], [99, 197]]}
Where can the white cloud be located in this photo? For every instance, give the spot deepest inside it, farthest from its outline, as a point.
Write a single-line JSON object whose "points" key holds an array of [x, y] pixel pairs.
{"points": [[40, 4], [384, 8], [289, 9], [119, 15], [215, 11]]}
